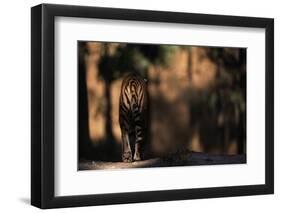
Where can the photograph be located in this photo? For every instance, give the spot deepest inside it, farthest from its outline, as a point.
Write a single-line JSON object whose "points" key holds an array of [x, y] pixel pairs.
{"points": [[160, 105]]}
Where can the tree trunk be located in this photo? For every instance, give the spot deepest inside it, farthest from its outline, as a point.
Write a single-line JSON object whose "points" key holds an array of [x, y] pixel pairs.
{"points": [[108, 112], [189, 67], [83, 119]]}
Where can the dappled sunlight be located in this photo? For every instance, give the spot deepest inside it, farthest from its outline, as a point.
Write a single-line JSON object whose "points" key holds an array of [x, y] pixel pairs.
{"points": [[115, 92]]}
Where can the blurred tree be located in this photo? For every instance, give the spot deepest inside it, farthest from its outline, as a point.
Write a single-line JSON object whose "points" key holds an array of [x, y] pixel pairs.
{"points": [[230, 92], [83, 137], [189, 67]]}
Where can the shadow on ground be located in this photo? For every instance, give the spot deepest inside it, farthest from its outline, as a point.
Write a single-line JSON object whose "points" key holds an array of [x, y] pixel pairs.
{"points": [[192, 159]]}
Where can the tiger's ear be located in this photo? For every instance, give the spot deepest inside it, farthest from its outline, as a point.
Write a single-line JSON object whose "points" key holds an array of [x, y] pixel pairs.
{"points": [[145, 80]]}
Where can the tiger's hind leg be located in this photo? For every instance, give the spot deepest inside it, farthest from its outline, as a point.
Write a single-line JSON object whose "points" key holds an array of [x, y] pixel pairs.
{"points": [[138, 143], [126, 149], [137, 155]]}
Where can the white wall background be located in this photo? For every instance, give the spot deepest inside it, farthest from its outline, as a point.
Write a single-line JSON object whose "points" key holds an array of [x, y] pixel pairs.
{"points": [[15, 105]]}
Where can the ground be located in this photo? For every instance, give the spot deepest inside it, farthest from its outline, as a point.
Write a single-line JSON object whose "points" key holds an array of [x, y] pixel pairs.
{"points": [[193, 159]]}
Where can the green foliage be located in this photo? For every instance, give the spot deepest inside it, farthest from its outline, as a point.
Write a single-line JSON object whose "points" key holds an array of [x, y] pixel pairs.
{"points": [[133, 57], [165, 54]]}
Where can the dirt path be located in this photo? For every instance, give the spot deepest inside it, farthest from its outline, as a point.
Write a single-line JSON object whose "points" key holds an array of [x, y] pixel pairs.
{"points": [[194, 159]]}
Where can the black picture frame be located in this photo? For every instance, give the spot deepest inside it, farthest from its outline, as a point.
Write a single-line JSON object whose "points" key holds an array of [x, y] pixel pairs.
{"points": [[43, 102]]}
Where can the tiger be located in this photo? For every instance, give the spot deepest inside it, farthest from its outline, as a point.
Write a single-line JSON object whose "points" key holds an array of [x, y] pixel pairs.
{"points": [[133, 116]]}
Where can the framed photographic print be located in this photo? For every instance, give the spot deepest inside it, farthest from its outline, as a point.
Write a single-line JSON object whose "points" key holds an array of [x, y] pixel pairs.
{"points": [[139, 106]]}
